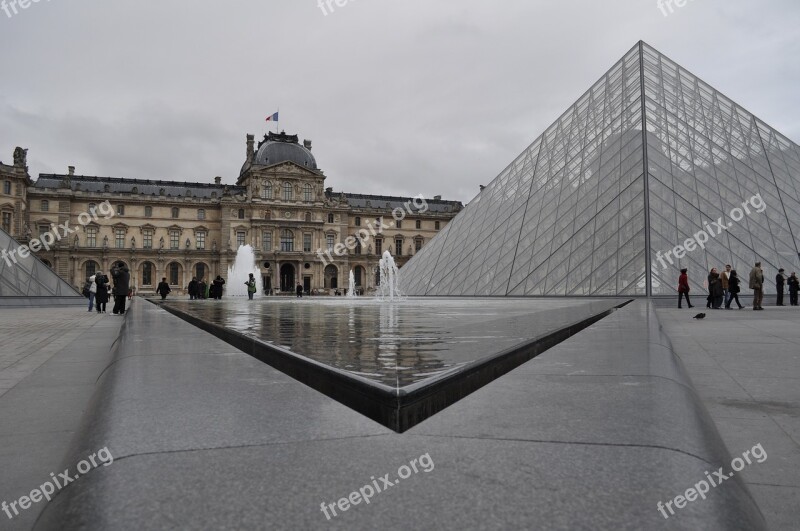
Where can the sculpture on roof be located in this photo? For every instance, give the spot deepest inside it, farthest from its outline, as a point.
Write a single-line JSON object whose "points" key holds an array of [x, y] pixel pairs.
{"points": [[20, 157]]}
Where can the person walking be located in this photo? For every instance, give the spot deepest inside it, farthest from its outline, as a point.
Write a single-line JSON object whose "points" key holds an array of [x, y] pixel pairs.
{"points": [[121, 276], [733, 290], [709, 281], [101, 295], [92, 291], [794, 287], [683, 288], [251, 286], [780, 282], [299, 290], [757, 285], [202, 289], [715, 290], [725, 277], [163, 288], [193, 289]]}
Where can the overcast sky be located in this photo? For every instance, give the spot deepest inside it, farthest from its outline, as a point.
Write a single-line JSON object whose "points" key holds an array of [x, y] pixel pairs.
{"points": [[400, 97]]}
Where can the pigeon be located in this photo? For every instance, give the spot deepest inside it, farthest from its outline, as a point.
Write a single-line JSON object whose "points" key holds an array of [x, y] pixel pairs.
{"points": [[700, 316]]}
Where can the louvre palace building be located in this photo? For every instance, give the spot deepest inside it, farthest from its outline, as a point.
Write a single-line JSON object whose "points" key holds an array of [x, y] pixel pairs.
{"points": [[300, 230]]}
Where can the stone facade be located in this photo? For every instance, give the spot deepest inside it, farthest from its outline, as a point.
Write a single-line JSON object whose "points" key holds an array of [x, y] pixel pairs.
{"points": [[300, 230]]}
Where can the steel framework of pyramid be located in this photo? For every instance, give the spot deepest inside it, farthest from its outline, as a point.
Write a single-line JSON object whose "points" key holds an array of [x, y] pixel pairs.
{"points": [[576, 214], [28, 277]]}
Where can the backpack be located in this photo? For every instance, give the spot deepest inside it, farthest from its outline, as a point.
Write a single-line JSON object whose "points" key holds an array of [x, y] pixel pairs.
{"points": [[86, 288]]}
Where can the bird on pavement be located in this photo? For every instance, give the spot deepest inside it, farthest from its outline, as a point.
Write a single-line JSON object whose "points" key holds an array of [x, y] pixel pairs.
{"points": [[700, 316]]}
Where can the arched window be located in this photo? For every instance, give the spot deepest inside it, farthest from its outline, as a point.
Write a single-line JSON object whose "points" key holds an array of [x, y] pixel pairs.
{"points": [[147, 274], [45, 205], [307, 194], [241, 213], [266, 190], [287, 240], [330, 218], [174, 273], [287, 191], [176, 212], [91, 268]]}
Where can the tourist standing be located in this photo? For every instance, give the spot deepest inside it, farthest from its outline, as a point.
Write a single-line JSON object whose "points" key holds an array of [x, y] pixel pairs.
{"points": [[733, 290], [121, 276], [709, 281], [251, 286], [794, 287], [216, 289], [163, 288], [725, 277], [715, 290], [201, 289], [683, 288], [757, 285], [299, 290], [92, 291], [780, 282], [192, 289], [101, 296]]}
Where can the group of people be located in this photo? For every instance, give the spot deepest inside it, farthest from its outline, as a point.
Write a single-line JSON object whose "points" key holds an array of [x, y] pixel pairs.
{"points": [[199, 289], [724, 288], [98, 288]]}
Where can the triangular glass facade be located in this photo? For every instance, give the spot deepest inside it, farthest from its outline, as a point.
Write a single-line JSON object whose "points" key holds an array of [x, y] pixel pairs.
{"points": [[28, 277], [575, 213]]}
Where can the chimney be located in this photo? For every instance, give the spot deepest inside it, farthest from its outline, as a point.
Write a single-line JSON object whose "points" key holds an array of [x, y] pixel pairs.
{"points": [[71, 170], [307, 144], [217, 180], [250, 151], [437, 198]]}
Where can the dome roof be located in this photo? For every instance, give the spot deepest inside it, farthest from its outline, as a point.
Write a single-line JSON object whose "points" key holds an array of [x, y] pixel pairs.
{"points": [[277, 148]]}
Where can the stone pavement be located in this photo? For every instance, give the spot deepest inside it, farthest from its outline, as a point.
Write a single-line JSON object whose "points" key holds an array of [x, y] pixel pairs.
{"points": [[746, 367], [50, 359]]}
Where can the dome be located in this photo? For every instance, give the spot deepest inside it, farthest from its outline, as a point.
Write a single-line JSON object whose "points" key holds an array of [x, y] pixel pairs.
{"points": [[277, 148]]}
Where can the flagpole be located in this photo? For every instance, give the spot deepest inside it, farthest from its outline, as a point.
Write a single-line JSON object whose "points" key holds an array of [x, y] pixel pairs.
{"points": [[279, 118]]}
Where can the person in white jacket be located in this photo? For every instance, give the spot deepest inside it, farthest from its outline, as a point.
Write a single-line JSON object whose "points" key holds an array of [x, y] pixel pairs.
{"points": [[92, 291]]}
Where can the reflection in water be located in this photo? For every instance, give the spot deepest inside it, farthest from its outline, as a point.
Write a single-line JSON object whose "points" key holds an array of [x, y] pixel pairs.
{"points": [[394, 343]]}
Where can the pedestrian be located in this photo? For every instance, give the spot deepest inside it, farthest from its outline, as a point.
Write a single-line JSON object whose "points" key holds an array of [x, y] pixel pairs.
{"points": [[101, 296], [121, 276], [757, 285], [715, 290], [780, 282], [683, 288], [733, 290], [725, 276], [193, 289], [91, 291], [202, 289], [299, 290], [709, 281], [216, 290], [794, 286], [251, 286], [163, 288]]}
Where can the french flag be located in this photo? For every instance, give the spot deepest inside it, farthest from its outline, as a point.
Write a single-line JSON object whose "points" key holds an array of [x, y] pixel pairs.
{"points": [[273, 118]]}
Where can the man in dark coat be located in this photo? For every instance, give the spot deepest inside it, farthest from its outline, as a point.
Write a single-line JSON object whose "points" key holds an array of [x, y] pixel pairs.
{"points": [[780, 281], [101, 297], [163, 288], [193, 285], [122, 279], [217, 287]]}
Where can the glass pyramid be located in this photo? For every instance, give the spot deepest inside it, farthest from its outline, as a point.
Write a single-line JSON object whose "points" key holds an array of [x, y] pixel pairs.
{"points": [[576, 213], [28, 277]]}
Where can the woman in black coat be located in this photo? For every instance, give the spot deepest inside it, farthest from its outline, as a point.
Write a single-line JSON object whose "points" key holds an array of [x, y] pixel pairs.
{"points": [[715, 290], [101, 297], [733, 290]]}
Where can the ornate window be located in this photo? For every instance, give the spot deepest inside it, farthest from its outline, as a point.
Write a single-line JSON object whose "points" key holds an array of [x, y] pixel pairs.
{"points": [[307, 194], [358, 221], [147, 274], [45, 205], [287, 191], [419, 223], [266, 241], [91, 268], [174, 273], [176, 212], [398, 224], [266, 190], [148, 212], [417, 244], [287, 240], [330, 240], [174, 239], [119, 238], [241, 237], [147, 238], [7, 222], [307, 242], [7, 187], [330, 218], [358, 247], [398, 247], [240, 213], [200, 238], [91, 236], [201, 213], [120, 210], [378, 245]]}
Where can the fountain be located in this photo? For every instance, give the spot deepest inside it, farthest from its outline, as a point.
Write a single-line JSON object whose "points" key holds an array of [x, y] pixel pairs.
{"points": [[239, 273], [388, 271], [351, 288]]}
